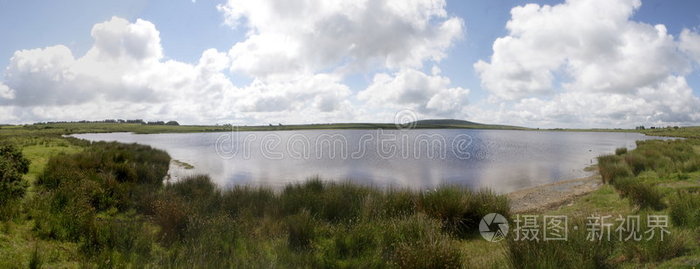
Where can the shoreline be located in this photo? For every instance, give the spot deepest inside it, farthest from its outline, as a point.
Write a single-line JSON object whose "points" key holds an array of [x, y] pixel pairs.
{"points": [[552, 195]]}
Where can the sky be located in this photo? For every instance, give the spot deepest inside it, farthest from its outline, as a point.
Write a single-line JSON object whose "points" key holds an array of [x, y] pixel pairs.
{"points": [[575, 63]]}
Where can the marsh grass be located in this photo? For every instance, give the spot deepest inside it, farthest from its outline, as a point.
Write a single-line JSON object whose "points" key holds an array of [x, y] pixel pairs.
{"points": [[684, 209], [620, 151], [645, 195], [612, 167], [575, 252], [110, 200]]}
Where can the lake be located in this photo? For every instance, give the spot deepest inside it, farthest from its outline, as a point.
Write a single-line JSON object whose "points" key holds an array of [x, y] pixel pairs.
{"points": [[503, 160]]}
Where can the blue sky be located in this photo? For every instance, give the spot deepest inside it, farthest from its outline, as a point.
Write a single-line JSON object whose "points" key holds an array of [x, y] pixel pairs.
{"points": [[187, 29]]}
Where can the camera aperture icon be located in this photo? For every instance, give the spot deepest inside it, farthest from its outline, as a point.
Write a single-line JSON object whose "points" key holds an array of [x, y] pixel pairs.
{"points": [[493, 227]]}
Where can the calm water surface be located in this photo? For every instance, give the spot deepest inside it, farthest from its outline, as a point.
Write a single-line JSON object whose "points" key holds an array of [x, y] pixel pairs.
{"points": [[503, 160]]}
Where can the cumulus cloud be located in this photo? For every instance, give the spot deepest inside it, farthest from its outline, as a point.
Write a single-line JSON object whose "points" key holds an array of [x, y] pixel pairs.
{"points": [[410, 88], [592, 42], [291, 37], [6, 92], [122, 75], [587, 62], [690, 44], [297, 53], [322, 92]]}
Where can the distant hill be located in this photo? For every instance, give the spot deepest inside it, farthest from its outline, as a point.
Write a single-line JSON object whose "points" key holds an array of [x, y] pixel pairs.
{"points": [[462, 124], [445, 122]]}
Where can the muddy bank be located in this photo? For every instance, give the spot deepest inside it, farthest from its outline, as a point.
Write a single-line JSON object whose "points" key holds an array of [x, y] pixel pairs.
{"points": [[544, 197]]}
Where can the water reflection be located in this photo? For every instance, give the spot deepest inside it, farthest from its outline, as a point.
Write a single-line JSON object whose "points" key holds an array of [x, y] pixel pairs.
{"points": [[499, 159]]}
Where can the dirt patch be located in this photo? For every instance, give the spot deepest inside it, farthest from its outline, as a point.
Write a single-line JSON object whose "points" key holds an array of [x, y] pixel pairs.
{"points": [[544, 197]]}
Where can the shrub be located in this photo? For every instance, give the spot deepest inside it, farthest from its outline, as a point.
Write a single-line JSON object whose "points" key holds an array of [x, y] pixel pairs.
{"points": [[127, 236], [353, 246], [612, 167], [171, 214], [390, 203], [641, 194], [637, 162], [684, 209], [199, 192], [12, 166], [249, 200], [301, 230], [575, 252], [416, 242], [620, 151], [448, 204], [654, 249], [336, 202], [461, 209]]}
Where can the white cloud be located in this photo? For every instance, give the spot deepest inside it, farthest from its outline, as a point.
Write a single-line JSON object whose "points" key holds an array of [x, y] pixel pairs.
{"points": [[124, 75], [121, 75], [410, 88], [690, 44], [6, 92], [589, 45], [322, 92], [293, 37], [587, 63]]}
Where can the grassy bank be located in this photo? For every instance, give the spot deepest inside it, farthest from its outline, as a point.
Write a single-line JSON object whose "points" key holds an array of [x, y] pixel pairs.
{"points": [[657, 178], [103, 205], [106, 206]]}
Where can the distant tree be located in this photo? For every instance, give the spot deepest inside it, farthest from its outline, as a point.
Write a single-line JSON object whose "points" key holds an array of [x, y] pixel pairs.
{"points": [[676, 127], [12, 166], [172, 122]]}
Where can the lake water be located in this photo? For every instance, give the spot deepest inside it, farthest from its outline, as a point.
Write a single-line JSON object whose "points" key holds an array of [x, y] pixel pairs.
{"points": [[503, 160]]}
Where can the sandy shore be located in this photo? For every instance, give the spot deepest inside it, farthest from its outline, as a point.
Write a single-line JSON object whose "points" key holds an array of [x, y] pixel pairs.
{"points": [[544, 197]]}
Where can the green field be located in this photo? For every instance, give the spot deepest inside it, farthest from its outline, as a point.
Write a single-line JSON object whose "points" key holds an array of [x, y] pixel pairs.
{"points": [[103, 205]]}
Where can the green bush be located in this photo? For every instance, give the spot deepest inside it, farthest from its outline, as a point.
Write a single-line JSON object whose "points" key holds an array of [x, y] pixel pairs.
{"points": [[172, 215], [642, 194], [199, 192], [575, 252], [684, 209], [620, 151], [637, 162], [301, 230], [460, 209], [416, 242], [612, 167], [12, 166], [248, 200]]}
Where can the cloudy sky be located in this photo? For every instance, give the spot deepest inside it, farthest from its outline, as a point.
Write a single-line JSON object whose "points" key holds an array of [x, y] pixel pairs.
{"points": [[575, 63]]}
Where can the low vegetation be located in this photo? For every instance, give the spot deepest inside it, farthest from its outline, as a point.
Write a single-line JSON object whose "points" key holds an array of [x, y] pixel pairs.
{"points": [[109, 203], [105, 205], [656, 178]]}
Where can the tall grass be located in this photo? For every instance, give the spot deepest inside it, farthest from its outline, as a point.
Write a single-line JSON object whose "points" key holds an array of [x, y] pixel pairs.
{"points": [[684, 209], [668, 159], [110, 200], [612, 167], [642, 194], [575, 252]]}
